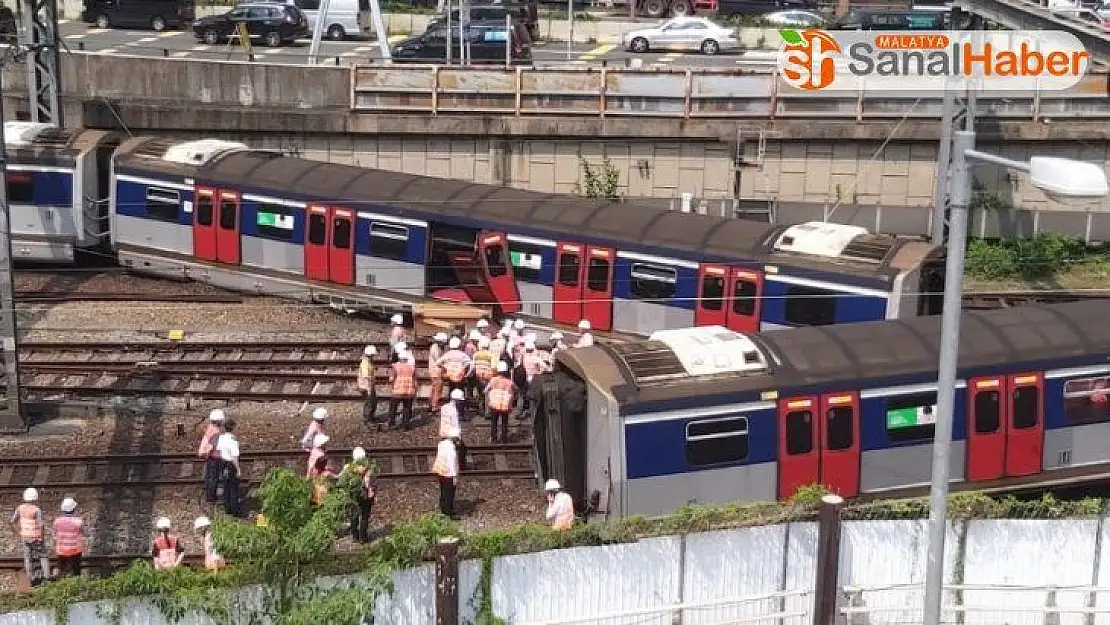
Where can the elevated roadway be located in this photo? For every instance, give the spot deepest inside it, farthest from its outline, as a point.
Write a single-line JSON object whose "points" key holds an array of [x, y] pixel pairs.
{"points": [[1030, 15]]}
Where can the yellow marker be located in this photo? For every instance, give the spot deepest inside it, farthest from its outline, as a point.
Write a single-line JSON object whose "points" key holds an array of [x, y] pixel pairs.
{"points": [[176, 335]]}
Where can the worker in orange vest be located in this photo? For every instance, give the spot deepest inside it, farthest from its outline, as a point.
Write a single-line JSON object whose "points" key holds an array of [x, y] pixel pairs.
{"points": [[560, 507], [319, 450], [485, 363], [213, 561], [499, 398], [404, 390], [446, 468], [207, 451], [69, 539], [456, 365], [27, 523], [366, 383], [435, 372], [397, 335], [166, 550]]}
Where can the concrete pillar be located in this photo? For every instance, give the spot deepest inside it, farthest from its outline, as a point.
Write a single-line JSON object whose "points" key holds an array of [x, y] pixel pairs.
{"points": [[828, 561], [447, 581], [500, 162]]}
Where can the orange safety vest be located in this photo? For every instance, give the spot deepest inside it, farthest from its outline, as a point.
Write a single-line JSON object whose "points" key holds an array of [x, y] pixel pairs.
{"points": [[319, 487], [565, 518], [500, 394], [165, 551], [207, 443], [483, 364], [434, 354], [212, 560], [30, 529], [366, 375], [404, 380], [455, 365], [497, 347], [443, 467], [67, 536]]}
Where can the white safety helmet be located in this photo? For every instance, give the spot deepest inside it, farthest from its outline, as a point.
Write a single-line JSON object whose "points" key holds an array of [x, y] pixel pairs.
{"points": [[320, 440], [163, 523], [584, 324], [518, 324], [320, 414], [370, 351], [31, 494], [502, 366], [483, 342], [556, 336], [552, 485], [441, 337], [482, 323], [201, 523], [458, 394], [217, 416], [401, 347], [504, 332], [69, 504], [475, 335], [397, 320], [358, 453], [454, 343]]}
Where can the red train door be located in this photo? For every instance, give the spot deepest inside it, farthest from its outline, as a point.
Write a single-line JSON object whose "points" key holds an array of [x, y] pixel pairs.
{"points": [[709, 310], [840, 455], [1025, 424], [204, 223], [316, 255], [567, 291], [799, 462], [745, 303], [493, 256], [227, 231], [986, 430], [341, 246], [597, 296]]}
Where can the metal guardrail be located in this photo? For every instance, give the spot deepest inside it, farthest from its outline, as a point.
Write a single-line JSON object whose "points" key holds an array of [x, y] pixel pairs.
{"points": [[688, 94], [1035, 15]]}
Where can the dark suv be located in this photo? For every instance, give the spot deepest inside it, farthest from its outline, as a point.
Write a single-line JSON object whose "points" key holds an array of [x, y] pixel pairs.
{"points": [[154, 14], [487, 45], [274, 24], [527, 14]]}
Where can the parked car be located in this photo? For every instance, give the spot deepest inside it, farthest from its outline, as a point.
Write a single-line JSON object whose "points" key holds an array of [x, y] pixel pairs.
{"points": [[894, 20], [272, 23], [795, 17], [345, 17], [527, 14], [682, 33], [487, 45], [154, 14], [762, 7]]}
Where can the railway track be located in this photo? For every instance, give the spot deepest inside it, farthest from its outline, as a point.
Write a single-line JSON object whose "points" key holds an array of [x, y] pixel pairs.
{"points": [[994, 300], [73, 473], [57, 297]]}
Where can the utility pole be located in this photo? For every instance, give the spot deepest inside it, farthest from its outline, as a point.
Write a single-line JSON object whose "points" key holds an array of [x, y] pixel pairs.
{"points": [[40, 41], [944, 157], [11, 413]]}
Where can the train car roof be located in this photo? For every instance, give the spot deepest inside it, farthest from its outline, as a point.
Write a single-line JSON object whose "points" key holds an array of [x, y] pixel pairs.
{"points": [[32, 143], [857, 353], [814, 246]]}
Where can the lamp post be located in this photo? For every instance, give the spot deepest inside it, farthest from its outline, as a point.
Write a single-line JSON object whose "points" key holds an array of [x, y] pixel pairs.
{"points": [[1062, 180]]}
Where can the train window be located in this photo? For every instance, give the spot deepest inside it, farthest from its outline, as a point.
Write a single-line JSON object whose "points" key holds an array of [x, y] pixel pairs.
{"points": [[810, 307], [653, 281], [165, 205], [568, 269], [495, 260], [229, 213], [839, 429], [712, 292], [988, 413], [799, 432], [275, 221], [527, 260], [1087, 400], [317, 229], [1027, 403], [21, 188], [743, 298], [716, 441], [341, 233], [911, 417], [597, 275], [388, 240]]}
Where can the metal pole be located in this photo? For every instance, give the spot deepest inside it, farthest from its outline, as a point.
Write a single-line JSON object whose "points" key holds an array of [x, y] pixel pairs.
{"points": [[508, 41], [11, 413], [317, 32], [570, 28], [450, 35], [946, 376], [944, 157]]}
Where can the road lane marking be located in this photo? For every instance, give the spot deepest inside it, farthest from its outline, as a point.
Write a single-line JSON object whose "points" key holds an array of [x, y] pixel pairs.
{"points": [[74, 36], [170, 33], [396, 38], [200, 48], [106, 51], [181, 54], [596, 52], [147, 39]]}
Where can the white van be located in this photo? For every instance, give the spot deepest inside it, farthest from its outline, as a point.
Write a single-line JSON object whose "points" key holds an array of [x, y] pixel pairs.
{"points": [[346, 18]]}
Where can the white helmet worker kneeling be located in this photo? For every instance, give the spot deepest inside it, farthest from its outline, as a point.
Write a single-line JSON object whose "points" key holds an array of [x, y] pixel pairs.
{"points": [[213, 561], [166, 549], [560, 507], [585, 339]]}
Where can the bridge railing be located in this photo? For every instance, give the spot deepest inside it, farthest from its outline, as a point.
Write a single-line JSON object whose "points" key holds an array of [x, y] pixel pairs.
{"points": [[690, 94]]}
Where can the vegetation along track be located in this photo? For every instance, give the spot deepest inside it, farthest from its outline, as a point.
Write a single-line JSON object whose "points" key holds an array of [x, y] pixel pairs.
{"points": [[513, 461], [100, 564]]}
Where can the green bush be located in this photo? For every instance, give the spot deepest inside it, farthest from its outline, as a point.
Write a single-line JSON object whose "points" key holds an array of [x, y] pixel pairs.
{"points": [[1037, 258]]}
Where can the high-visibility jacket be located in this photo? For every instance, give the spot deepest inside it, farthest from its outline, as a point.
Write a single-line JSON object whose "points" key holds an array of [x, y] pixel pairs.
{"points": [[448, 418], [310, 433], [365, 478], [314, 457], [366, 374], [561, 512], [213, 561], [404, 380], [207, 448], [165, 551], [396, 335], [455, 365], [447, 459], [30, 528], [499, 393], [497, 347], [68, 540], [483, 364], [435, 352], [320, 484]]}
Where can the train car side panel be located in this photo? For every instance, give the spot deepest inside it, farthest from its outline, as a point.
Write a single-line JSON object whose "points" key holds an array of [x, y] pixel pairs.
{"points": [[1076, 416], [154, 214], [534, 266], [273, 233], [791, 302], [652, 293], [390, 253]]}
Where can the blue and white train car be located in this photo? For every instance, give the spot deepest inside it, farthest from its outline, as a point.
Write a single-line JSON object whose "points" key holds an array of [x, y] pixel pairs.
{"points": [[710, 415], [56, 179], [221, 212]]}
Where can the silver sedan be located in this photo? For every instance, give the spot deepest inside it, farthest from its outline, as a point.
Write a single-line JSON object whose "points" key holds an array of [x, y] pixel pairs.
{"points": [[683, 33]]}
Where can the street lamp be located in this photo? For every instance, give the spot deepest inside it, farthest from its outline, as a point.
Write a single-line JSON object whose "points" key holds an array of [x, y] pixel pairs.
{"points": [[1060, 179]]}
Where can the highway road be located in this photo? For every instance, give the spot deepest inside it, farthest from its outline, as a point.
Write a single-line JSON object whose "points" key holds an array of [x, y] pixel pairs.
{"points": [[77, 35]]}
